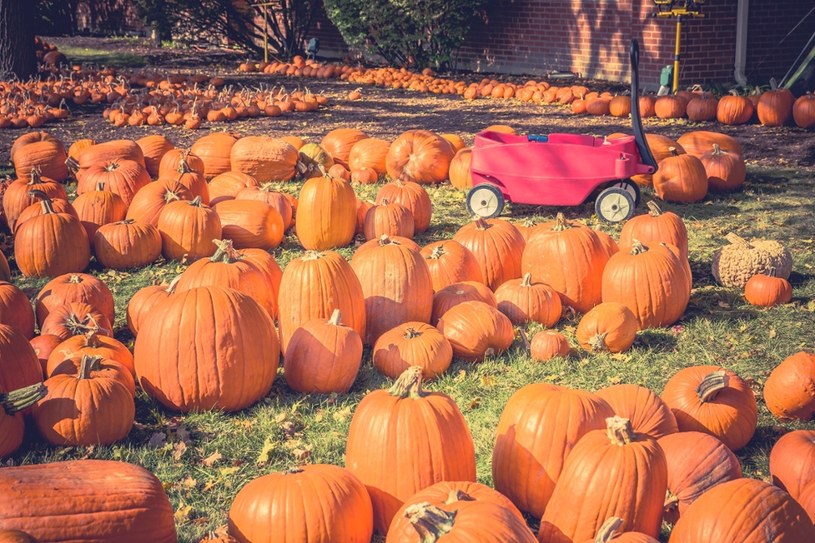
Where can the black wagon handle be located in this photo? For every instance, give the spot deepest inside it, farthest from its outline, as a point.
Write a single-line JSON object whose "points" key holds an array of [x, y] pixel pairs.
{"points": [[636, 122]]}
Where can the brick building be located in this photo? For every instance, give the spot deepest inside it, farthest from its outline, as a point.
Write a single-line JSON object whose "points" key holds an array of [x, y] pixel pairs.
{"points": [[591, 37]]}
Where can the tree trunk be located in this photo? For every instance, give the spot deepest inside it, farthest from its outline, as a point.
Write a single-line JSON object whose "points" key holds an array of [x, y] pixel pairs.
{"points": [[17, 38]]}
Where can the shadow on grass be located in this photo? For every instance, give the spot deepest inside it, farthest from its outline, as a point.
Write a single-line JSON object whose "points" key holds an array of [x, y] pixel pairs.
{"points": [[114, 58]]}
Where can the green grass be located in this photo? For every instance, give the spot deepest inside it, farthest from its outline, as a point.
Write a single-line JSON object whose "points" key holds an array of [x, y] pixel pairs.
{"points": [[103, 57], [204, 459]]}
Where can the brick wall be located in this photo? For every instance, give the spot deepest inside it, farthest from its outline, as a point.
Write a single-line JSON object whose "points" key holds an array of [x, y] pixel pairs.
{"points": [[591, 37]]}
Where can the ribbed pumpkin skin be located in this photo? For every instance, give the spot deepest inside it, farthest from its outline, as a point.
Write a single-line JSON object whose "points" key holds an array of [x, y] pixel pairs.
{"points": [[104, 367], [412, 344], [546, 345], [35, 210], [523, 301], [396, 285], [699, 142], [17, 199], [419, 156], [149, 202], [497, 247], [111, 150], [681, 178], [179, 161], [93, 345], [50, 245], [788, 391], [313, 286], [460, 169], [214, 151], [647, 412], [475, 330], [403, 440], [450, 262], [792, 461], [803, 111], [97, 208], [775, 107], [734, 110], [744, 511], [670, 107], [264, 158], [272, 198], [767, 291], [702, 108], [72, 319], [187, 230], [317, 503], [725, 171], [603, 479], [154, 147], [657, 226], [233, 370], [122, 177], [452, 492], [127, 244], [130, 498], [19, 366], [43, 346], [457, 293], [39, 149], [730, 416], [323, 356], [369, 153], [250, 224], [326, 214], [227, 185], [659, 146], [388, 219], [411, 195], [537, 430], [569, 257], [16, 310], [653, 282], [608, 326], [74, 287], [696, 463], [142, 302], [339, 143]]}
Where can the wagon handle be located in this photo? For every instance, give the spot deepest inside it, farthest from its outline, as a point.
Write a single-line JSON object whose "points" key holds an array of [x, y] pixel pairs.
{"points": [[636, 122]]}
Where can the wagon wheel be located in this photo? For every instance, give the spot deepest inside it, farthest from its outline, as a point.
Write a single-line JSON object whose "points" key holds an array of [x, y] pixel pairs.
{"points": [[614, 205], [485, 200], [632, 188]]}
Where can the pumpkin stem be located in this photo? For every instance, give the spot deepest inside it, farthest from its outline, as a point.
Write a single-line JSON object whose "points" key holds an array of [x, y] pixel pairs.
{"points": [[717, 150], [312, 255], [75, 279], [620, 431], [384, 202], [77, 326], [36, 176], [598, 342], [560, 223], [173, 284], [72, 164], [183, 166], [637, 248], [112, 166], [92, 338], [385, 239], [293, 471], [481, 224], [409, 384], [225, 252], [411, 333], [736, 239], [712, 384], [527, 280], [45, 201], [671, 501], [170, 196], [654, 209], [437, 253], [430, 522], [86, 367], [22, 398], [673, 151], [335, 317], [100, 186], [196, 201], [458, 496], [608, 530]]}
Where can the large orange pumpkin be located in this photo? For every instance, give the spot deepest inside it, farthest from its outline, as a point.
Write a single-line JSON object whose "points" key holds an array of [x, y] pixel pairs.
{"points": [[460, 169], [420, 156], [154, 147], [734, 109], [214, 150], [276, 200], [647, 412], [250, 224], [453, 294], [475, 330], [450, 262], [657, 226], [227, 185], [127, 244], [775, 107], [369, 153], [681, 178], [41, 151], [699, 142], [122, 177], [327, 213], [74, 287], [803, 111], [412, 344], [149, 202], [187, 230], [789, 391], [523, 301], [725, 171], [16, 310], [411, 195], [497, 247], [99, 207], [339, 143], [23, 193], [608, 326], [264, 158], [792, 461]]}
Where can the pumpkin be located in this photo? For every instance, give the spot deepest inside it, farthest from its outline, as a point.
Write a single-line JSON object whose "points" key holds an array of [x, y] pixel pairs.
{"points": [[327, 213], [699, 142], [803, 111], [657, 226], [546, 345], [187, 170], [318, 503], [645, 410], [459, 522], [43, 346], [715, 401], [99, 207], [419, 156], [620, 106], [264, 158], [446, 493], [475, 330], [702, 108], [459, 173], [661, 149], [314, 161], [608, 532], [108, 151], [766, 290], [497, 247], [609, 473], [99, 367], [92, 344], [313, 286], [16, 310], [149, 202], [450, 262], [736, 263], [744, 511], [456, 293], [696, 463], [653, 282], [388, 218], [775, 107], [647, 104], [227, 185], [214, 150], [39, 150], [670, 107], [84, 409], [789, 391], [365, 176], [15, 536], [74, 287], [725, 171], [23, 193], [455, 141], [339, 142], [609, 326], [75, 319], [154, 148], [681, 178], [597, 106], [51, 244], [538, 428], [127, 244], [130, 498], [272, 198], [412, 344], [5, 271], [403, 440], [369, 153], [792, 461], [250, 223], [569, 257], [523, 301], [734, 109], [411, 195], [121, 177], [807, 500], [187, 230], [144, 300], [12, 426]]}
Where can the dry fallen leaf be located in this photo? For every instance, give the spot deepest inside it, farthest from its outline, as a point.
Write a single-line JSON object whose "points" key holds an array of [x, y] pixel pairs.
{"points": [[268, 447], [182, 514], [179, 449], [212, 459]]}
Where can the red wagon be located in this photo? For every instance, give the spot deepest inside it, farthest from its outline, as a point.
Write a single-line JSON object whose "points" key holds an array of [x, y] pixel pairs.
{"points": [[561, 169]]}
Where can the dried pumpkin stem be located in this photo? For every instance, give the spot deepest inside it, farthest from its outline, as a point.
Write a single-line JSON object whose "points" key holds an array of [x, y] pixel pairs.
{"points": [[336, 316], [654, 209], [671, 501], [22, 398], [100, 186], [608, 530], [45, 201], [196, 201], [673, 151], [637, 248], [312, 255], [409, 384], [481, 224], [619, 431], [717, 150], [527, 280], [458, 496], [736, 239], [712, 384], [598, 342], [36, 176], [430, 522], [412, 333], [85, 367], [72, 164], [438, 252], [75, 279], [560, 223]]}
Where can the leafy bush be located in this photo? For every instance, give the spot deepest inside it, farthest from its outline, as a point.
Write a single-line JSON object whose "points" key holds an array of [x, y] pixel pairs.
{"points": [[405, 32]]}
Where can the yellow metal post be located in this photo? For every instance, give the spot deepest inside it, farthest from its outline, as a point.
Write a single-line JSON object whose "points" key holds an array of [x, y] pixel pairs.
{"points": [[676, 53]]}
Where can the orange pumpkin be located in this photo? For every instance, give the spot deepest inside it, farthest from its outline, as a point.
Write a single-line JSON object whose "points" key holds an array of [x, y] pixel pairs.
{"points": [[420, 156], [369, 153], [609, 326], [792, 460], [476, 329], [16, 310], [775, 107], [122, 177], [725, 171], [387, 218], [670, 107], [23, 193], [148, 203], [39, 150], [547, 344], [153, 148], [766, 290], [497, 247], [803, 111], [702, 108], [127, 244], [699, 142], [74, 287], [187, 230], [455, 293], [75, 319], [645, 410], [523, 301], [734, 109], [450, 262], [681, 178], [411, 195], [460, 169], [412, 344], [214, 150], [12, 426], [250, 224], [338, 143], [788, 391], [92, 344], [264, 158]]}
